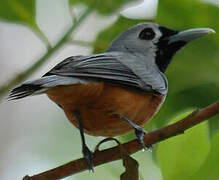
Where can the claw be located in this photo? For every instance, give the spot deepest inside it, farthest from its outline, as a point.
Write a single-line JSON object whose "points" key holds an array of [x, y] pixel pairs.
{"points": [[149, 148], [88, 155], [140, 132], [140, 136]]}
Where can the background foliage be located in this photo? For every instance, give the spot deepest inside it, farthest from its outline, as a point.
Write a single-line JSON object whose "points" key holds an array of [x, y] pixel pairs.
{"points": [[193, 83]]}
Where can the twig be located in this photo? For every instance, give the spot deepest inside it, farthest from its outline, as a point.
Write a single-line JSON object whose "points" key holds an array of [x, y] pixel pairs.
{"points": [[42, 36], [22, 76], [112, 154]]}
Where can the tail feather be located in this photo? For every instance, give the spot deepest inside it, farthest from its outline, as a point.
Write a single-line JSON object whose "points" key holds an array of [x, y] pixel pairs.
{"points": [[41, 85], [23, 91]]}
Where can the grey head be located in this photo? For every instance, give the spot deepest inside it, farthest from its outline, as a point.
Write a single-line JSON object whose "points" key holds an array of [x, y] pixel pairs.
{"points": [[156, 41]]}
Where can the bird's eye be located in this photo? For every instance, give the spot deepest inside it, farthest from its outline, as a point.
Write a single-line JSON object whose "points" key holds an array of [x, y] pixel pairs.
{"points": [[147, 34]]}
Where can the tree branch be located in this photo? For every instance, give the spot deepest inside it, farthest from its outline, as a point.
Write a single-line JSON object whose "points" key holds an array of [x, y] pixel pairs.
{"points": [[24, 75], [112, 154]]}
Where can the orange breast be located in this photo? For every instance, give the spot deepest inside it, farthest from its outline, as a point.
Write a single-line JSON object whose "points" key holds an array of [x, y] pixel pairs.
{"points": [[101, 106]]}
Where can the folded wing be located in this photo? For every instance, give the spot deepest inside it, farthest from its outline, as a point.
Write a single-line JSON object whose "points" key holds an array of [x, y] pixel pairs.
{"points": [[113, 67]]}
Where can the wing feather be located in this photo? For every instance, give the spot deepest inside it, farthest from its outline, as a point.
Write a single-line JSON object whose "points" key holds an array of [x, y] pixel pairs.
{"points": [[110, 67]]}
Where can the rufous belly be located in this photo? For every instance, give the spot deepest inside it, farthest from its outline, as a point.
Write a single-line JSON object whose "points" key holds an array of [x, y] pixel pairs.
{"points": [[101, 106]]}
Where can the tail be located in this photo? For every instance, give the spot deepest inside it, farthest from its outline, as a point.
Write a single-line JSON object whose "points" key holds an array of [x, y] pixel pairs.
{"points": [[39, 86], [26, 89]]}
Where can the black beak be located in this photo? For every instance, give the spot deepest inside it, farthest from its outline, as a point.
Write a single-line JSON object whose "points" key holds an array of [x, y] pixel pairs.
{"points": [[189, 35]]}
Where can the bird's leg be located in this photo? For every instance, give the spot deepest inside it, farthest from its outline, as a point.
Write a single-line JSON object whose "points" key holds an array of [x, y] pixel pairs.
{"points": [[85, 150], [139, 132]]}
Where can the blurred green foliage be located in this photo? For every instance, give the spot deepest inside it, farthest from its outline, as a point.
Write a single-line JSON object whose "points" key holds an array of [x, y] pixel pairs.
{"points": [[209, 169], [193, 82], [179, 157], [20, 11]]}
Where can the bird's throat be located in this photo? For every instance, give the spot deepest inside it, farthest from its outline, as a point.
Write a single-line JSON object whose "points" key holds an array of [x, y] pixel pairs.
{"points": [[165, 53]]}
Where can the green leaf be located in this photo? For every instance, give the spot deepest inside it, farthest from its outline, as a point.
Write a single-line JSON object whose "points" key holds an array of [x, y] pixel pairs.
{"points": [[181, 156], [106, 36], [186, 13], [190, 98], [103, 7], [21, 11], [210, 169]]}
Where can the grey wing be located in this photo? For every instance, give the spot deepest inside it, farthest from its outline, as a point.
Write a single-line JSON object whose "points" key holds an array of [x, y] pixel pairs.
{"points": [[114, 67], [108, 67], [145, 68]]}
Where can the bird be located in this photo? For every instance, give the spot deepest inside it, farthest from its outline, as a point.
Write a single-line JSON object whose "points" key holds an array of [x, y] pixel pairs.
{"points": [[111, 93]]}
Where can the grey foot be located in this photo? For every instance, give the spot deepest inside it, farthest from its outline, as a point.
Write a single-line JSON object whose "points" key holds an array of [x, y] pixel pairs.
{"points": [[140, 132], [88, 155]]}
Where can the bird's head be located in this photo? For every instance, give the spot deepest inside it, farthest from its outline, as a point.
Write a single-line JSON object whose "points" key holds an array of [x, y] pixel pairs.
{"points": [[152, 39]]}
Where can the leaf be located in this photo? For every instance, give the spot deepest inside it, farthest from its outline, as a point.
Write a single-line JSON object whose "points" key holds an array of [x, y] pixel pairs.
{"points": [[186, 13], [190, 98], [103, 7], [210, 169], [181, 156], [21, 11], [106, 36]]}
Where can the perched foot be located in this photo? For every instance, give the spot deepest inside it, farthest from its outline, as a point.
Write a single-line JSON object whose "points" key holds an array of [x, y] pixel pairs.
{"points": [[140, 132], [85, 150], [88, 155]]}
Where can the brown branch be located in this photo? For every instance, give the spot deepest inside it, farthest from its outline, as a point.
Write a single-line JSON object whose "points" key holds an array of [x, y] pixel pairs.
{"points": [[112, 154]]}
